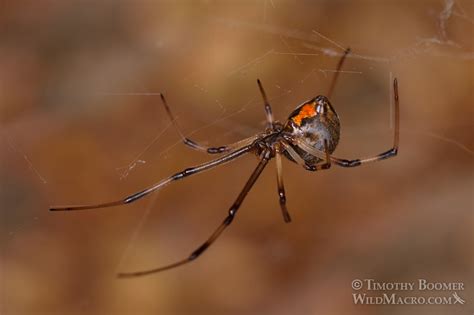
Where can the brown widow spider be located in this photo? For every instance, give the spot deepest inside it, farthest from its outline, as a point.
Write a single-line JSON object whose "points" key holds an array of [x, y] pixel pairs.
{"points": [[308, 138]]}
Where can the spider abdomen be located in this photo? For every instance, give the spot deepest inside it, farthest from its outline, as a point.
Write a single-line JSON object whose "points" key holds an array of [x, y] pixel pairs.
{"points": [[313, 122]]}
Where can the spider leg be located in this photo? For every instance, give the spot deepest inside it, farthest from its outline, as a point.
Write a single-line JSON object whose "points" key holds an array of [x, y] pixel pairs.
{"points": [[281, 188], [268, 108], [336, 74], [299, 160], [177, 176], [357, 162], [265, 157], [193, 144]]}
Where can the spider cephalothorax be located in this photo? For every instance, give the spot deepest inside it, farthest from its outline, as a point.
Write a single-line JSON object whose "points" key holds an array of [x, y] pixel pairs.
{"points": [[308, 138]]}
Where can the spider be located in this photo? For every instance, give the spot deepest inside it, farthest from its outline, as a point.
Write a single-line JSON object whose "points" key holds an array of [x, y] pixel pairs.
{"points": [[308, 138]]}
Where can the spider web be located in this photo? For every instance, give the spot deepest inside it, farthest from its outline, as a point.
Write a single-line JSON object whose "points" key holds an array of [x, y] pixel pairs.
{"points": [[423, 46], [100, 102], [313, 45]]}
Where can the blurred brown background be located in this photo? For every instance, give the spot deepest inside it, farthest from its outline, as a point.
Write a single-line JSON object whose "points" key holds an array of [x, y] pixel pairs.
{"points": [[79, 108]]}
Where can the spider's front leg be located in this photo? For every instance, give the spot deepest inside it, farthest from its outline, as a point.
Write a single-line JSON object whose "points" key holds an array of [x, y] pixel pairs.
{"points": [[224, 148], [177, 176], [264, 158], [200, 147]]}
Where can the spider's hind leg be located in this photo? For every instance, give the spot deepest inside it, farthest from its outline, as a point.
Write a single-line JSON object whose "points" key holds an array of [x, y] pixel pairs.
{"points": [[336, 74], [322, 166], [393, 151], [300, 161]]}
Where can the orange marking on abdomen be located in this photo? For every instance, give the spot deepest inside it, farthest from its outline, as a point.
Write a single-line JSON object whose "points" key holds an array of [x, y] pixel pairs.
{"points": [[306, 111]]}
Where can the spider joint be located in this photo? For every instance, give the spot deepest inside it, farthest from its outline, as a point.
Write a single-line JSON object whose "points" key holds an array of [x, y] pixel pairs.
{"points": [[350, 163]]}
